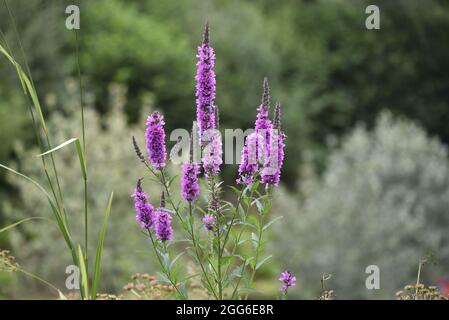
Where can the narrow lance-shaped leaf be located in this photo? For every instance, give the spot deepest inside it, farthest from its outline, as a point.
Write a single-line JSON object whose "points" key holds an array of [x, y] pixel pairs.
{"points": [[84, 278], [79, 151], [100, 248], [22, 221]]}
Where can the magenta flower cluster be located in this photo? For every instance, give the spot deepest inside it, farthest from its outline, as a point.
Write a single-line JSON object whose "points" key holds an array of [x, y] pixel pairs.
{"points": [[271, 172], [213, 153], [155, 140], [163, 226], [249, 163], [288, 280], [144, 210], [264, 147], [147, 218], [190, 189]]}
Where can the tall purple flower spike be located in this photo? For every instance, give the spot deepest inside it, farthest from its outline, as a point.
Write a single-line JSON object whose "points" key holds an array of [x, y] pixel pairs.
{"points": [[263, 124], [155, 140], [190, 189], [144, 210], [271, 172], [205, 85]]}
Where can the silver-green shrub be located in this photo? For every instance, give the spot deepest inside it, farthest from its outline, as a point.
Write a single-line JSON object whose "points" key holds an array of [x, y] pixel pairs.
{"points": [[383, 200]]}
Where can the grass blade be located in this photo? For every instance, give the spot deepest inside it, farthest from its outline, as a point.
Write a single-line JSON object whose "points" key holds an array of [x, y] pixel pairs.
{"points": [[27, 178], [100, 248], [84, 279], [79, 151], [62, 145], [60, 221], [27, 86], [22, 221]]}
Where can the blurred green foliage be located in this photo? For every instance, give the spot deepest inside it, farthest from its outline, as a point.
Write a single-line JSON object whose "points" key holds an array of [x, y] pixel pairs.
{"points": [[383, 201], [327, 70]]}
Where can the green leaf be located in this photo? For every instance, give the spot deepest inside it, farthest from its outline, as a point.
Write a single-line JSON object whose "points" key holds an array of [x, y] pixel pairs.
{"points": [[254, 239], [83, 270], [62, 145], [100, 242], [265, 227], [22, 221], [79, 151], [27, 86], [260, 263], [163, 277], [175, 259], [170, 181], [166, 260], [61, 224], [27, 178], [183, 289]]}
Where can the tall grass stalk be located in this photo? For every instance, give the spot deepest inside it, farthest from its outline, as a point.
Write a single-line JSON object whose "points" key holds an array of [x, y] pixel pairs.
{"points": [[56, 198]]}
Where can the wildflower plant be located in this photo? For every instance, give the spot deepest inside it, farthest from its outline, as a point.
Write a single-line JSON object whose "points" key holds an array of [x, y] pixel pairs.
{"points": [[213, 232]]}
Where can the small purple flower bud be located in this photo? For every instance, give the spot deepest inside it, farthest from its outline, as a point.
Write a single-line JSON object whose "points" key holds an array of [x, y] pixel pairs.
{"points": [[155, 139]]}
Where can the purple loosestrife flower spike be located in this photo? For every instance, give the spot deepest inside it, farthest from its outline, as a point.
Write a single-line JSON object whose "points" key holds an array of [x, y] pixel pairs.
{"points": [[205, 85], [189, 181], [288, 280], [263, 123], [144, 210], [209, 222], [249, 164], [213, 151], [155, 139], [271, 172], [163, 228]]}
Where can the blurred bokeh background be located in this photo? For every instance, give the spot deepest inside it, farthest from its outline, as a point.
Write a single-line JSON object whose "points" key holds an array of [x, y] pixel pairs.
{"points": [[366, 178]]}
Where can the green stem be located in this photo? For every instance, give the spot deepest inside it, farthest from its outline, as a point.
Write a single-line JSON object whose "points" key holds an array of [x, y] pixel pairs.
{"points": [[259, 241], [196, 245], [86, 222], [166, 272], [233, 218]]}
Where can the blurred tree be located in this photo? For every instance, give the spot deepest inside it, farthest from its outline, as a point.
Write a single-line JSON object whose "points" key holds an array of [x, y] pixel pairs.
{"points": [[383, 200]]}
